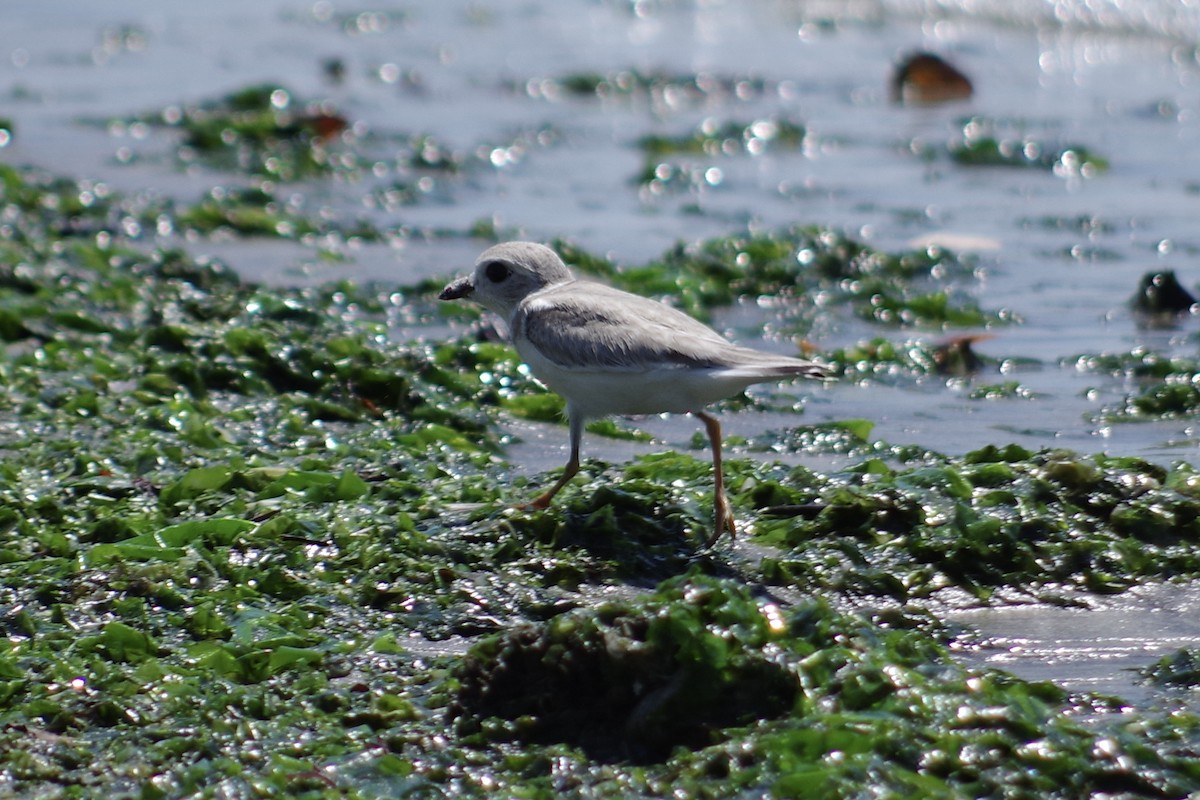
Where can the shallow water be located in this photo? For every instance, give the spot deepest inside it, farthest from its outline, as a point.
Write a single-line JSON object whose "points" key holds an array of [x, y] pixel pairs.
{"points": [[1063, 252], [1097, 649]]}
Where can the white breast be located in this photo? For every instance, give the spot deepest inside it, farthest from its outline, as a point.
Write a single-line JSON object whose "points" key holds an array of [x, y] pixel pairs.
{"points": [[597, 392]]}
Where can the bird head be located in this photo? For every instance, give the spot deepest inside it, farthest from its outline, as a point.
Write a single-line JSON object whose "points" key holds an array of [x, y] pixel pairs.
{"points": [[508, 273]]}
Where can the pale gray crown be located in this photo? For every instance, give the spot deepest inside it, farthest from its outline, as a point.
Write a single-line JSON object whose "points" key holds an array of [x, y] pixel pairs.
{"points": [[508, 273]]}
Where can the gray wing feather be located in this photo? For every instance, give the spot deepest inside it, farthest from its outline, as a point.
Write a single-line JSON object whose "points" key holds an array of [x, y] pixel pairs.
{"points": [[602, 327]]}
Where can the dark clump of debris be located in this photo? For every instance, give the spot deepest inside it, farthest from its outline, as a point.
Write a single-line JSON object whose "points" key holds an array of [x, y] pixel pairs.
{"points": [[630, 681], [924, 78], [1161, 297]]}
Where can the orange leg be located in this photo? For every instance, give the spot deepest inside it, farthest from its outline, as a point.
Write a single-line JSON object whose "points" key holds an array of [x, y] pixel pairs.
{"points": [[570, 471], [722, 513]]}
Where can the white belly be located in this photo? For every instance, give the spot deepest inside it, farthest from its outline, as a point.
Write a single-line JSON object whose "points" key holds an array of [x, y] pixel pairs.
{"points": [[599, 392]]}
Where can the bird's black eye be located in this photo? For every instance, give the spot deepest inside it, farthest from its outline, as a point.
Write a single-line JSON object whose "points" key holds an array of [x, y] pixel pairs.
{"points": [[496, 271]]}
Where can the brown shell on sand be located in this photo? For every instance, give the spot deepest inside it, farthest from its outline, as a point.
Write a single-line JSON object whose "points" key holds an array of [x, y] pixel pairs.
{"points": [[925, 78]]}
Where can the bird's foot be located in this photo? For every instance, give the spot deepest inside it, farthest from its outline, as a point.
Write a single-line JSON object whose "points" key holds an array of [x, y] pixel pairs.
{"points": [[543, 500], [539, 503], [722, 521]]}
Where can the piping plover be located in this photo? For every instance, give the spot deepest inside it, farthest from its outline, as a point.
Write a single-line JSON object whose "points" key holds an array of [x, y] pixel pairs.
{"points": [[611, 352]]}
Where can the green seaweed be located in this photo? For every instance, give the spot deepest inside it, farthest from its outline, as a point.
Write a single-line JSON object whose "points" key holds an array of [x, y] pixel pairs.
{"points": [[247, 212], [803, 268], [1178, 669], [647, 678], [842, 701], [664, 88], [999, 518], [267, 132], [1166, 385], [851, 436], [988, 152], [987, 143], [245, 537], [261, 130], [712, 138]]}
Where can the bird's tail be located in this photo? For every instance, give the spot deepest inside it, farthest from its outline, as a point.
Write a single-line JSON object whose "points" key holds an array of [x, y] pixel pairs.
{"points": [[793, 367]]}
